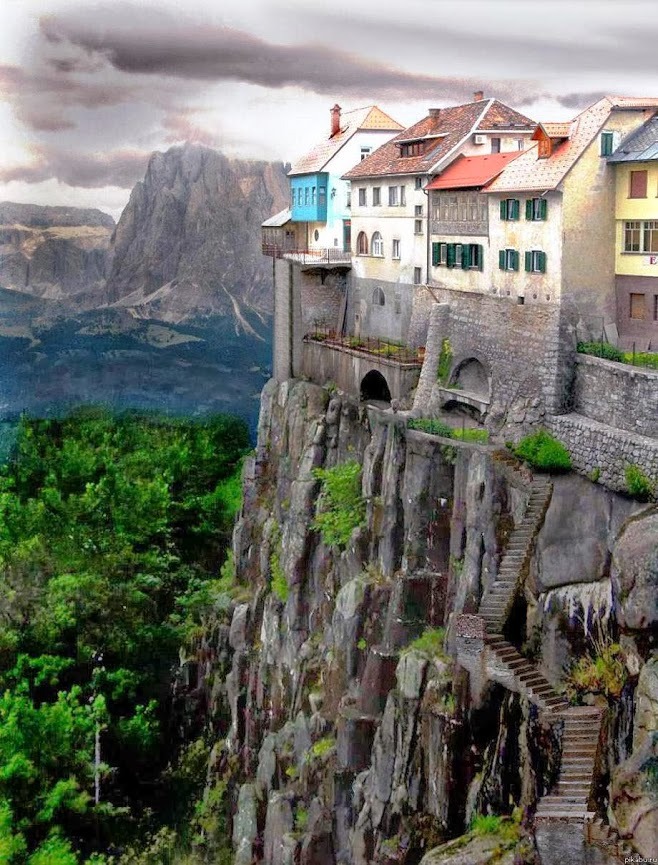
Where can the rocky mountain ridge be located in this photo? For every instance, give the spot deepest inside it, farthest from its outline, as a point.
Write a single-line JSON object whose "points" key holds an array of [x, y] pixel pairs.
{"points": [[187, 244]]}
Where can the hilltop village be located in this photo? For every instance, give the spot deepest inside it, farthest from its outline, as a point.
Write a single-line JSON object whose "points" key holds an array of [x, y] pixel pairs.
{"points": [[503, 241]]}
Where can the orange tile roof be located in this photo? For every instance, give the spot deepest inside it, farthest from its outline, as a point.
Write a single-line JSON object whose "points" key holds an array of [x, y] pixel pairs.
{"points": [[452, 124], [371, 117], [472, 171], [555, 130], [528, 172]]}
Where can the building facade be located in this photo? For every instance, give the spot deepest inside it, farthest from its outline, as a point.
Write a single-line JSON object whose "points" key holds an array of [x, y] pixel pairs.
{"points": [[635, 163]]}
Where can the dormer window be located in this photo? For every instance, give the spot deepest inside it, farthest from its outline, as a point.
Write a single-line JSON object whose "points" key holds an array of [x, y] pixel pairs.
{"points": [[544, 148], [412, 148]]}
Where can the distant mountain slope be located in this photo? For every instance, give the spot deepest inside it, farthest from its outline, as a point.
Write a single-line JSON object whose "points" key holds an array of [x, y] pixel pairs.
{"points": [[188, 241], [53, 252]]}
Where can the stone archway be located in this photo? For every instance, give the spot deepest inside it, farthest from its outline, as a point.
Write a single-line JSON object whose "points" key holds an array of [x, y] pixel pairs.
{"points": [[471, 376], [375, 387]]}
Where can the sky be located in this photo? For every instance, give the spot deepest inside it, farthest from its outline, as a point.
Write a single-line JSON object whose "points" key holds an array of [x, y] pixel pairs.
{"points": [[88, 90]]}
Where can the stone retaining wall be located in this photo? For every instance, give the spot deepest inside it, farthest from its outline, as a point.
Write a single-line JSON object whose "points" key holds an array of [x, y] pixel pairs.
{"points": [[617, 394], [598, 449]]}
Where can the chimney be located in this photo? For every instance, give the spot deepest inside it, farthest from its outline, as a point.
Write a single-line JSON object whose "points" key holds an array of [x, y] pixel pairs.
{"points": [[434, 112], [335, 120], [478, 96]]}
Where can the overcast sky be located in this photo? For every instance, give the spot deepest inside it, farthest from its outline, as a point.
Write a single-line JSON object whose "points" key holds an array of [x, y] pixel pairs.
{"points": [[89, 89]]}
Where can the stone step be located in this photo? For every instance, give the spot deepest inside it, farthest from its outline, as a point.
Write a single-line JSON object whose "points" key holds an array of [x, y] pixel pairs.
{"points": [[560, 815]]}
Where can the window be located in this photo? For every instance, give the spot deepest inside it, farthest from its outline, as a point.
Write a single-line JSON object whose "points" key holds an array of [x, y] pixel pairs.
{"points": [[378, 297], [655, 307], [396, 249], [362, 197], [638, 188], [641, 236], [376, 196], [348, 198], [544, 148], [607, 143], [377, 245], [413, 148], [403, 196], [535, 261], [638, 308], [509, 209], [536, 209], [418, 276], [650, 237], [418, 226], [299, 196], [508, 259], [418, 209], [392, 196], [632, 236], [365, 151], [459, 207], [495, 145], [362, 244], [418, 182], [313, 191], [322, 196], [306, 195], [520, 143], [467, 256]]}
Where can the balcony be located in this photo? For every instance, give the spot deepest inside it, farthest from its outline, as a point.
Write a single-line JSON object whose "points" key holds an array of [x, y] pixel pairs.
{"points": [[369, 345], [330, 257]]}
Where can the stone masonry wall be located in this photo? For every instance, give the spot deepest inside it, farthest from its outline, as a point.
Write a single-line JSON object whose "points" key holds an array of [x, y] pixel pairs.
{"points": [[617, 394], [597, 449], [519, 346]]}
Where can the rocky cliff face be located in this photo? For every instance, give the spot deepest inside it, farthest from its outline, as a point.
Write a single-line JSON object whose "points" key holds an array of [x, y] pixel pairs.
{"points": [[188, 241], [54, 252], [345, 739]]}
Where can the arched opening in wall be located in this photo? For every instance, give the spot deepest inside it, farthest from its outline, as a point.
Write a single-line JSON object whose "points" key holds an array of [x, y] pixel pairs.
{"points": [[471, 376], [378, 297], [375, 387], [362, 243], [377, 245]]}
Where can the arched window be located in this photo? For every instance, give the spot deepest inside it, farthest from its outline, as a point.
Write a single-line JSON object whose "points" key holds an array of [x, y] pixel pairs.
{"points": [[377, 244], [378, 297], [362, 244]]}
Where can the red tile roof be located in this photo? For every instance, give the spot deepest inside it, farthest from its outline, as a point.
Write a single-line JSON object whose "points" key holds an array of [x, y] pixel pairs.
{"points": [[472, 171], [371, 117], [528, 172], [554, 130], [452, 124]]}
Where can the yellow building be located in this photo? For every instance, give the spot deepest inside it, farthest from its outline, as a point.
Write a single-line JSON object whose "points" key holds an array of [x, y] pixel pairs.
{"points": [[636, 249]]}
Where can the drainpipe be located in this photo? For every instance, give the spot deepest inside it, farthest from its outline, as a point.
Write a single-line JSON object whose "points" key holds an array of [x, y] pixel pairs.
{"points": [[427, 242]]}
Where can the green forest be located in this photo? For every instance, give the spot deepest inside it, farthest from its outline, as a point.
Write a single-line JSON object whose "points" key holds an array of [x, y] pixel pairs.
{"points": [[113, 530]]}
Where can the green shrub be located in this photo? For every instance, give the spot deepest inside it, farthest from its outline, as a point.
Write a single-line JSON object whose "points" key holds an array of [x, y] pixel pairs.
{"points": [[445, 363], [431, 643], [601, 671], [486, 824], [542, 451], [477, 434], [637, 483], [601, 349], [641, 358], [430, 425], [594, 475], [342, 507], [322, 747]]}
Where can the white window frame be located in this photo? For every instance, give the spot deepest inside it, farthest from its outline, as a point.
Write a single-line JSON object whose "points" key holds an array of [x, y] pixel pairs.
{"points": [[396, 248], [376, 196], [363, 196], [377, 245], [393, 196]]}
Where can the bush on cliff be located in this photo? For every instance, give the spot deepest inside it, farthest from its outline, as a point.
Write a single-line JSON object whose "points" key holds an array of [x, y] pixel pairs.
{"points": [[638, 484], [544, 452], [342, 508]]}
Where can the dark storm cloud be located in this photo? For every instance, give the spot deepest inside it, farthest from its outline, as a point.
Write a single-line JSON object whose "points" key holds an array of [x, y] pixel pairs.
{"points": [[89, 170], [162, 46]]}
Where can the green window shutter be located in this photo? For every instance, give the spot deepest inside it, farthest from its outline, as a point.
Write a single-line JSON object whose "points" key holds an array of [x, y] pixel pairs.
{"points": [[528, 262], [480, 257], [435, 254], [515, 208], [515, 260], [528, 208], [501, 259], [450, 257], [466, 256], [503, 209], [542, 262], [544, 208]]}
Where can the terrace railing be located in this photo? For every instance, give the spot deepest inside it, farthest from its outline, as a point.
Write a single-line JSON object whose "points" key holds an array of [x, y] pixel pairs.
{"points": [[330, 255], [375, 346]]}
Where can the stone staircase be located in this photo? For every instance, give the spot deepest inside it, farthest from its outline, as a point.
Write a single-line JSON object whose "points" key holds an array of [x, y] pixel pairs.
{"points": [[529, 680], [498, 598], [580, 741], [602, 835]]}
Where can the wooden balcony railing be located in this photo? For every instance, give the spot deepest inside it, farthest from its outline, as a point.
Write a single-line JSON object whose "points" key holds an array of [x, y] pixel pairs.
{"points": [[331, 255]]}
